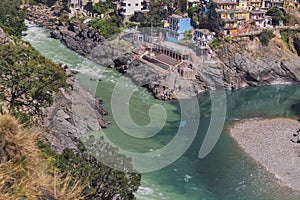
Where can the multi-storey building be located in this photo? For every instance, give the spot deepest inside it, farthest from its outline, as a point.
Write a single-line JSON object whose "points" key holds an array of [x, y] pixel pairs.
{"points": [[255, 3], [177, 26], [243, 5], [129, 6], [224, 16], [260, 18], [230, 16], [203, 38], [272, 3]]}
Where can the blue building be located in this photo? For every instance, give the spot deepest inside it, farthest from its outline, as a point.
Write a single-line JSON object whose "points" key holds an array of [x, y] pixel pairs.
{"points": [[177, 25]]}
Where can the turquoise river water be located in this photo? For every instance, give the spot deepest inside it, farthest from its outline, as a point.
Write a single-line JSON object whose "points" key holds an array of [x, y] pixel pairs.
{"points": [[225, 173]]}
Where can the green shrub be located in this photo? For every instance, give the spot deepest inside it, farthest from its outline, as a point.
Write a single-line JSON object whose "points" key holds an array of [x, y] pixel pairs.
{"points": [[216, 43], [102, 7], [285, 35], [106, 26], [228, 38], [265, 36], [102, 181]]}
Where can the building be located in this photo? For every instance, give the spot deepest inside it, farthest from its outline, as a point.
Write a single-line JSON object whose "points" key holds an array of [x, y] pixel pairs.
{"points": [[186, 72], [129, 6], [255, 4], [203, 38], [74, 3], [272, 3], [243, 5], [177, 25], [177, 52], [241, 17], [231, 16], [223, 16], [260, 18]]}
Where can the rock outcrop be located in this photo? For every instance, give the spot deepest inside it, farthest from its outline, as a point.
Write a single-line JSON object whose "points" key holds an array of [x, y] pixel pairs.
{"points": [[248, 63], [74, 112], [78, 37]]}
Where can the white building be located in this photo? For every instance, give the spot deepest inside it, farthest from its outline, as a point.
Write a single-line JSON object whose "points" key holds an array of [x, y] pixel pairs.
{"points": [[129, 6], [74, 3], [203, 38]]}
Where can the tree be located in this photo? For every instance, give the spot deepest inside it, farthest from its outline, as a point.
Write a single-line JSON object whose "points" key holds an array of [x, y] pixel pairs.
{"points": [[193, 13], [103, 182], [277, 15], [107, 27], [28, 79], [12, 17], [265, 36], [181, 6], [101, 7]]}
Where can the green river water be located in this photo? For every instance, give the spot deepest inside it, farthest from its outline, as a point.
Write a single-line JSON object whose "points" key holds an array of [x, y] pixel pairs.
{"points": [[225, 173]]}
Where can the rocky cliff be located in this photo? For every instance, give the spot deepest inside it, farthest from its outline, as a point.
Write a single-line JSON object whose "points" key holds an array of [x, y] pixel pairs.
{"points": [[248, 63], [74, 112]]}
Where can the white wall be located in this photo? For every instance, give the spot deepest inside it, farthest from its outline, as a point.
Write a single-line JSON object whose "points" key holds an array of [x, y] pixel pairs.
{"points": [[131, 6]]}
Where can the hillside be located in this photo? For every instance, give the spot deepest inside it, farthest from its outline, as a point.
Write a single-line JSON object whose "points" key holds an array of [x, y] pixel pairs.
{"points": [[34, 89], [25, 172]]}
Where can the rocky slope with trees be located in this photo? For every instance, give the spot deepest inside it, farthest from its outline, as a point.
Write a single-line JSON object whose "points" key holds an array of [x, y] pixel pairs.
{"points": [[244, 62], [44, 96]]}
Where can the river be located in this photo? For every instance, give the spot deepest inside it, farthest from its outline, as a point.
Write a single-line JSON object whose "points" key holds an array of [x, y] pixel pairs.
{"points": [[225, 173]]}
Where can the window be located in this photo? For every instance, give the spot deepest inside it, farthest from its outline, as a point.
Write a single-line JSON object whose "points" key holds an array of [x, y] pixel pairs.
{"points": [[129, 4], [136, 4]]}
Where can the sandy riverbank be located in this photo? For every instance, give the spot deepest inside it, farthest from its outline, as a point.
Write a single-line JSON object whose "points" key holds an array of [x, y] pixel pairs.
{"points": [[268, 142]]}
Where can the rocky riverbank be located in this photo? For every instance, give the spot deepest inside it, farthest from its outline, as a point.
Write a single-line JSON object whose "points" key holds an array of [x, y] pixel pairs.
{"points": [[268, 141], [74, 112], [238, 63]]}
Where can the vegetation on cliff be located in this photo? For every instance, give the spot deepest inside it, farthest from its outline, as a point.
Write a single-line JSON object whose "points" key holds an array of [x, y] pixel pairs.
{"points": [[12, 17], [291, 38], [110, 23], [29, 169], [28, 83], [102, 181], [265, 36], [108, 27], [28, 79], [25, 173]]}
